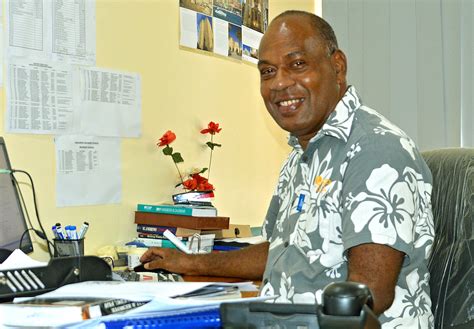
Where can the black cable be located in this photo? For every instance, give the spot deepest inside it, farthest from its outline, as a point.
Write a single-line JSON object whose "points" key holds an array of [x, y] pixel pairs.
{"points": [[36, 209], [22, 201]]}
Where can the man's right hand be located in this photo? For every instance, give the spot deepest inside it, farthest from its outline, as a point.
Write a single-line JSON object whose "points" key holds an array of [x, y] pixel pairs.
{"points": [[168, 259]]}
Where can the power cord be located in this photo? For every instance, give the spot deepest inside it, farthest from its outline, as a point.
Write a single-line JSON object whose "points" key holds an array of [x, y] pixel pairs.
{"points": [[41, 234]]}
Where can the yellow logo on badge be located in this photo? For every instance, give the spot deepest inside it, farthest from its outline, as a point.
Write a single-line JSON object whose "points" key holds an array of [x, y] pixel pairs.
{"points": [[321, 183]]}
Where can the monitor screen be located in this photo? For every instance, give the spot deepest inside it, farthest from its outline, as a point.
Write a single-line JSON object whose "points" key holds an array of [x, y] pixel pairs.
{"points": [[12, 219]]}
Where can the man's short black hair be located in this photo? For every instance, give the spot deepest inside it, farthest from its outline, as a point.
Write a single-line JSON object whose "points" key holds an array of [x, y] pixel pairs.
{"points": [[320, 26]]}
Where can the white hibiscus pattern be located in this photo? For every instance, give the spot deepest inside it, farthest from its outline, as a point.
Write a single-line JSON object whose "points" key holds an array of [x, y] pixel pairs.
{"points": [[413, 303], [387, 207]]}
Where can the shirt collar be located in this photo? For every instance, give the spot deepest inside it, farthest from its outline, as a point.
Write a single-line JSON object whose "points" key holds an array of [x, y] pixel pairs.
{"points": [[339, 122]]}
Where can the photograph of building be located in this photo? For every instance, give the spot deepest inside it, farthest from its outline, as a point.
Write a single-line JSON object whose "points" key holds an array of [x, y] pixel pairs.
{"points": [[202, 6], [205, 34], [254, 14], [235, 41], [250, 52]]}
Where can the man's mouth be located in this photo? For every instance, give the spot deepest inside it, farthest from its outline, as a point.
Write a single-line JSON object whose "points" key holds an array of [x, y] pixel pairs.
{"points": [[289, 104]]}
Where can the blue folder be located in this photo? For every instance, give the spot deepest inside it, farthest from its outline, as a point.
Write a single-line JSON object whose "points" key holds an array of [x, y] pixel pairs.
{"points": [[204, 318]]}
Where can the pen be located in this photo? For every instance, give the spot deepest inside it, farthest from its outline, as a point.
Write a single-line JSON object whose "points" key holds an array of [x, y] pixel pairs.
{"points": [[67, 231], [72, 232], [83, 230], [299, 207], [59, 231], [55, 232]]}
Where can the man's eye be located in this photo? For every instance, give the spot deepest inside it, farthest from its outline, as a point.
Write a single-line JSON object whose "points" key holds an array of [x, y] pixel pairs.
{"points": [[266, 71], [298, 63]]}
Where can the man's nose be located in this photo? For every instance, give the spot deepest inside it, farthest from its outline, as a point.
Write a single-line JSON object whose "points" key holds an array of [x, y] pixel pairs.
{"points": [[282, 80]]}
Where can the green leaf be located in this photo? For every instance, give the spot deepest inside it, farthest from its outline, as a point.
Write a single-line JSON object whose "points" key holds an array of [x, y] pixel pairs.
{"points": [[177, 157], [218, 145], [203, 170], [211, 145], [168, 150]]}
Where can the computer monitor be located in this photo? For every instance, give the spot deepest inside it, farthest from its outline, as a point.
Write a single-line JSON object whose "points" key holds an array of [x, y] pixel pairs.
{"points": [[12, 220]]}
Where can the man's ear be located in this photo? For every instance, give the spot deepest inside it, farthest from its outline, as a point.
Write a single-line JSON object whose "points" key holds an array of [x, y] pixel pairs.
{"points": [[340, 64]]}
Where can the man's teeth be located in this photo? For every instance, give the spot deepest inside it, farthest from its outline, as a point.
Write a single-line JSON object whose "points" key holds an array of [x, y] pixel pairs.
{"points": [[291, 102]]}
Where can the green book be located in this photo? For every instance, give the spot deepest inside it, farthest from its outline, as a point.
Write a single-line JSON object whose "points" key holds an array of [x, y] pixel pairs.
{"points": [[182, 210]]}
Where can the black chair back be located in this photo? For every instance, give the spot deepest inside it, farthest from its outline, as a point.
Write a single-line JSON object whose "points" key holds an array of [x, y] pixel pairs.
{"points": [[452, 260]]}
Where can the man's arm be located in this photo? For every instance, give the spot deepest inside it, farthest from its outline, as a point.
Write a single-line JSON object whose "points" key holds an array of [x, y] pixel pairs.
{"points": [[378, 267], [247, 263]]}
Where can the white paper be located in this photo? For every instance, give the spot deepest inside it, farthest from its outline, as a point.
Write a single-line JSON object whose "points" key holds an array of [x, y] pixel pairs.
{"points": [[110, 102], [221, 37], [138, 291], [250, 44], [73, 31], [188, 22], [39, 98], [87, 170], [18, 259], [52, 30]]}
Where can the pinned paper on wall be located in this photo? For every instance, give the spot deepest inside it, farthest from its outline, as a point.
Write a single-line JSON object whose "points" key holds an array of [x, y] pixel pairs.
{"points": [[87, 170], [228, 28], [52, 30]]}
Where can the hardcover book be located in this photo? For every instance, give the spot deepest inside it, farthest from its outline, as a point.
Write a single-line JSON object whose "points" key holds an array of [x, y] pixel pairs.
{"points": [[183, 210], [192, 222], [157, 231], [59, 311]]}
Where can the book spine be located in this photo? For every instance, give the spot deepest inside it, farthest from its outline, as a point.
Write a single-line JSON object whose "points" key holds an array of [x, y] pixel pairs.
{"points": [[142, 228], [196, 223], [118, 306], [164, 209], [156, 242]]}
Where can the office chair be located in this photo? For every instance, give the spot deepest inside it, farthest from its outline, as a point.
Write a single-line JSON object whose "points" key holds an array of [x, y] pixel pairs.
{"points": [[451, 263]]}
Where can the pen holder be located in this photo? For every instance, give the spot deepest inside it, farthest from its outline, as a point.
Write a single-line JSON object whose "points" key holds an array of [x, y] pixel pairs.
{"points": [[63, 248]]}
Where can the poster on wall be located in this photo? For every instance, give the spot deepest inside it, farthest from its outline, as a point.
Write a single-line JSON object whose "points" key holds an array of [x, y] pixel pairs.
{"points": [[230, 28]]}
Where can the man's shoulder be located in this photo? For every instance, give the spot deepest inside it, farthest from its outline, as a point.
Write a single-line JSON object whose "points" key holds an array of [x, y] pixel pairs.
{"points": [[372, 127]]}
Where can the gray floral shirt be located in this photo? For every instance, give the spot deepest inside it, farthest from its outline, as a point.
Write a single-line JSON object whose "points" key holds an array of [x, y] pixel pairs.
{"points": [[360, 180]]}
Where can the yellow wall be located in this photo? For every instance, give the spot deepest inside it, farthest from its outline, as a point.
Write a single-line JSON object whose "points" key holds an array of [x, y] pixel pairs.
{"points": [[182, 90]]}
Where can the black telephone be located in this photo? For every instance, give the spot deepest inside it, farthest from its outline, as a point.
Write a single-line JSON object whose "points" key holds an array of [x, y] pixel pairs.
{"points": [[346, 305]]}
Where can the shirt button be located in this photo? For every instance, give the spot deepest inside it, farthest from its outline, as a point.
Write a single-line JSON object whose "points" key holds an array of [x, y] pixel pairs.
{"points": [[286, 244]]}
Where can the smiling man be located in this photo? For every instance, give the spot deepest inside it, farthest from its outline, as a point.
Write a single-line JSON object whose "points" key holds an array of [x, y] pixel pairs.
{"points": [[353, 198]]}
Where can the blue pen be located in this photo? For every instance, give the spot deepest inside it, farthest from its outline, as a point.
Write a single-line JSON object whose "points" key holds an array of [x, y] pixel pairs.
{"points": [[68, 232], [55, 232], [73, 232], [299, 207], [59, 231]]}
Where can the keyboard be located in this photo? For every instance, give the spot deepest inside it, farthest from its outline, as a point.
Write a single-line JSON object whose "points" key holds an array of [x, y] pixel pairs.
{"points": [[161, 276]]}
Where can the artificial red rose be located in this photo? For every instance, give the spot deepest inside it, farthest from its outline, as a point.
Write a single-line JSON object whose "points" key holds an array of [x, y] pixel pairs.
{"points": [[190, 184], [205, 186], [167, 138], [199, 179], [212, 128]]}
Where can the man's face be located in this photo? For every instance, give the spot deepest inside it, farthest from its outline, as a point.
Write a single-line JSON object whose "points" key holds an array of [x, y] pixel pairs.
{"points": [[299, 82]]}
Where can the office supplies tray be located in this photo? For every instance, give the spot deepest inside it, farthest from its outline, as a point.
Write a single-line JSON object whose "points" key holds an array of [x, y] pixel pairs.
{"points": [[59, 271]]}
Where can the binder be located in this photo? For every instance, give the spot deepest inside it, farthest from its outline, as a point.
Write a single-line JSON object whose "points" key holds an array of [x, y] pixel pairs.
{"points": [[201, 318]]}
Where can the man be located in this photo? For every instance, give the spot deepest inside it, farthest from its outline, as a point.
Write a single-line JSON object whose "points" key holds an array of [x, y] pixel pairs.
{"points": [[353, 198]]}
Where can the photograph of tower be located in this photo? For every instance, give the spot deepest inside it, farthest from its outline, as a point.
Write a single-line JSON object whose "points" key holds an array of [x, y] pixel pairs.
{"points": [[205, 39], [202, 6], [255, 14], [229, 10], [235, 41]]}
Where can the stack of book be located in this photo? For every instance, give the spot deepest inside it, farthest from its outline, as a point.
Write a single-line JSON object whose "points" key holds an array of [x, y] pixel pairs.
{"points": [[183, 221]]}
